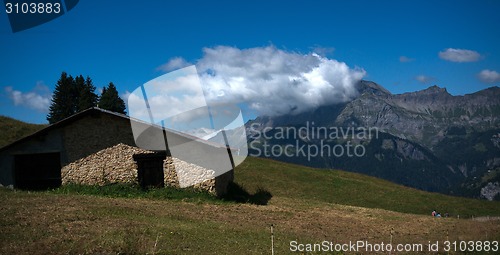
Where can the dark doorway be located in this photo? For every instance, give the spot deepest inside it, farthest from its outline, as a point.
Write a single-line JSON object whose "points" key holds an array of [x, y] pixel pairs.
{"points": [[37, 171], [150, 169]]}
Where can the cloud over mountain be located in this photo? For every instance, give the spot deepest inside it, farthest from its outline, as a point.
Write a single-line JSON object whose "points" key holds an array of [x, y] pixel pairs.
{"points": [[273, 81]]}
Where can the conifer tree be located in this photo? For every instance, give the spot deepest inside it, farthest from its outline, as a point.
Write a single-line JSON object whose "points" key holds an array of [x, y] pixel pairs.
{"points": [[63, 99], [110, 100], [73, 95], [87, 97]]}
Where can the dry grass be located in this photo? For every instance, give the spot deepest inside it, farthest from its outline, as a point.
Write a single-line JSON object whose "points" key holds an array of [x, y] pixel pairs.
{"points": [[307, 205], [44, 223]]}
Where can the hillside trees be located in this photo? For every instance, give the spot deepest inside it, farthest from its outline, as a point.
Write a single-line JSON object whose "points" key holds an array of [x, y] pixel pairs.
{"points": [[87, 97], [73, 95], [63, 99], [110, 100]]}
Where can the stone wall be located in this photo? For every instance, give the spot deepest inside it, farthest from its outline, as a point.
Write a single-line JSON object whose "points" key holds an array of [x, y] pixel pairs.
{"points": [[169, 173], [95, 132], [116, 165], [111, 165]]}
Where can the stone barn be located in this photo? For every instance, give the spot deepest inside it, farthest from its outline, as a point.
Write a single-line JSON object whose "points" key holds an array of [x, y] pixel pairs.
{"points": [[97, 147]]}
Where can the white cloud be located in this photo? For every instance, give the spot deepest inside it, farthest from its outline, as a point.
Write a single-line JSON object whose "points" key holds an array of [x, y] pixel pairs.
{"points": [[176, 98], [38, 98], [405, 59], [459, 55], [323, 51], [489, 76], [125, 95], [273, 81], [173, 64], [424, 78]]}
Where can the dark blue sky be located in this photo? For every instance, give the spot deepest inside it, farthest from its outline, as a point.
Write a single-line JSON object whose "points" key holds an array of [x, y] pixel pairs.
{"points": [[397, 43]]}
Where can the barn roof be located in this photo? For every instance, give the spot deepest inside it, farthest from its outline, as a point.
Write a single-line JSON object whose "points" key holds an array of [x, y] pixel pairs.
{"points": [[95, 110]]}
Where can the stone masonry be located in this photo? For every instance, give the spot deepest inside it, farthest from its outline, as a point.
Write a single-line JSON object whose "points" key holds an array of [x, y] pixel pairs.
{"points": [[116, 165]]}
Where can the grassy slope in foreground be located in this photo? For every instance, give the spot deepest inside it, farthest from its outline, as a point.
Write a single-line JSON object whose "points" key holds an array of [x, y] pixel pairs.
{"points": [[340, 187], [303, 208], [47, 223], [13, 130]]}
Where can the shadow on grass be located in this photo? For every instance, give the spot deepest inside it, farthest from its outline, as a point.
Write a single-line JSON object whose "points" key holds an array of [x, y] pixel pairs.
{"points": [[238, 194]]}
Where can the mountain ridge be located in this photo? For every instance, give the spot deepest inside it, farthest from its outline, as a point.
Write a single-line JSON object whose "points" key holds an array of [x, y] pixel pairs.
{"points": [[428, 122]]}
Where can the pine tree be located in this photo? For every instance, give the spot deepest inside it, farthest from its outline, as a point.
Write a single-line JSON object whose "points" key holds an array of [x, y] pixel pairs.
{"points": [[87, 96], [63, 99], [110, 100], [71, 96]]}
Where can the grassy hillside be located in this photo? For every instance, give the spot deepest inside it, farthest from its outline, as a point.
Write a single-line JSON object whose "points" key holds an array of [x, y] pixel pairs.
{"points": [[13, 129], [307, 205], [47, 223], [341, 187]]}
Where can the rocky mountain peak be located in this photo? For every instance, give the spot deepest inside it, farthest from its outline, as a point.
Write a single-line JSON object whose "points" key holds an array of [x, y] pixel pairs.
{"points": [[443, 142], [491, 91], [430, 92], [434, 89], [371, 88]]}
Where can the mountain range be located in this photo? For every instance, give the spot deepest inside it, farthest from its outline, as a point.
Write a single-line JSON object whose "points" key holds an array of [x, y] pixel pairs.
{"points": [[428, 139]]}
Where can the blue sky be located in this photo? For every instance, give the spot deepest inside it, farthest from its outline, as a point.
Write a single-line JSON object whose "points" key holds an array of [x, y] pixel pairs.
{"points": [[402, 45]]}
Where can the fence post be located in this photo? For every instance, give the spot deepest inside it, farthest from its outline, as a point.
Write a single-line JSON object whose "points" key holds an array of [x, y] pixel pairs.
{"points": [[272, 240], [392, 230]]}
